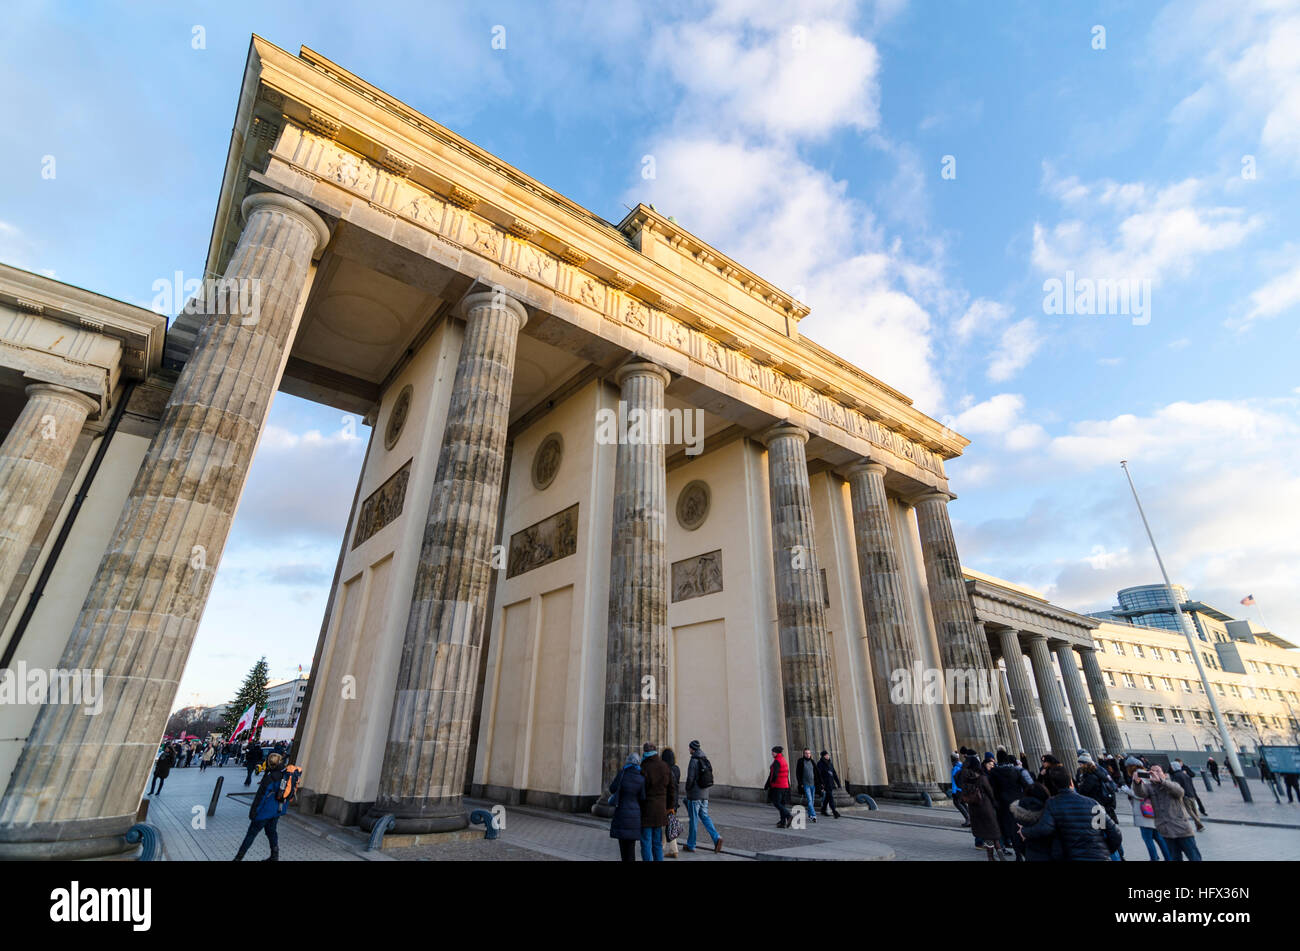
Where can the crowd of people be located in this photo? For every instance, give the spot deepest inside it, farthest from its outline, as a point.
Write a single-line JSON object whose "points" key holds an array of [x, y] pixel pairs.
{"points": [[179, 754], [1053, 815]]}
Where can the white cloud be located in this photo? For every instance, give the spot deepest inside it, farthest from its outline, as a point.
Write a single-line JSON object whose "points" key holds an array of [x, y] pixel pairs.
{"points": [[1280, 294], [1017, 347], [982, 314]]}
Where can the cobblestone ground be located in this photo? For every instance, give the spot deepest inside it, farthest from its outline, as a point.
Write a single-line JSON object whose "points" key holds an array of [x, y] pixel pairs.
{"points": [[910, 833]]}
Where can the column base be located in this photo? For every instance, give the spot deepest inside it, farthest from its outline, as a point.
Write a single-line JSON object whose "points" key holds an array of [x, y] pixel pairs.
{"points": [[72, 841], [416, 816]]}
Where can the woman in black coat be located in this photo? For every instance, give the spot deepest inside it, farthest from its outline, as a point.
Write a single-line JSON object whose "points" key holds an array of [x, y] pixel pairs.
{"points": [[627, 792], [674, 797], [162, 769], [1028, 810]]}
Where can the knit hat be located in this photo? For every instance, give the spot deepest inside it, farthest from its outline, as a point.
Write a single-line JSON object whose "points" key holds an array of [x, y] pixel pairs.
{"points": [[1085, 758], [633, 759], [1133, 761], [647, 747], [695, 744], [988, 756], [824, 753]]}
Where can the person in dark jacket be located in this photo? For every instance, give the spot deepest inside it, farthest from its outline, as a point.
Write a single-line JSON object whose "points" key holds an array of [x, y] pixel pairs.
{"points": [[805, 777], [266, 809], [778, 786], [162, 768], [252, 760], [829, 781], [1009, 782], [954, 791], [1213, 767], [654, 808], [1028, 811], [1080, 824], [626, 793], [978, 795], [1182, 774], [697, 798], [674, 798]]}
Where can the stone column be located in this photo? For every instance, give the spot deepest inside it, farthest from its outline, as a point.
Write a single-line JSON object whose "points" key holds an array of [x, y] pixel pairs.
{"points": [[904, 725], [1101, 703], [807, 679], [1049, 699], [636, 652], [426, 755], [77, 784], [32, 460], [963, 650], [1032, 743], [1084, 727], [1004, 702]]}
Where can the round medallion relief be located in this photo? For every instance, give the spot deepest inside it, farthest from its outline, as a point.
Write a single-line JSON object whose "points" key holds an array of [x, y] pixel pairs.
{"points": [[546, 461], [693, 505], [397, 418]]}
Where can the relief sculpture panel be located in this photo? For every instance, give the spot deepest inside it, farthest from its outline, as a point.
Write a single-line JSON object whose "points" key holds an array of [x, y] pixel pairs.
{"points": [[546, 541]]}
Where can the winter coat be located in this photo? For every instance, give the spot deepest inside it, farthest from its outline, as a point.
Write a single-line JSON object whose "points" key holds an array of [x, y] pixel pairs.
{"points": [[1172, 821], [1028, 812], [266, 801], [1069, 817], [1139, 820], [1092, 783], [253, 755], [658, 777], [778, 774], [163, 767], [977, 794], [805, 771], [827, 778], [627, 792], [208, 753], [1009, 783], [674, 797], [695, 793]]}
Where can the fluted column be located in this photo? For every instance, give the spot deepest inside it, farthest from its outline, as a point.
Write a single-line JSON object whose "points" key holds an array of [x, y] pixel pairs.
{"points": [[962, 648], [909, 743], [1032, 742], [807, 678], [636, 657], [423, 776], [1004, 702], [77, 784], [1084, 726], [1101, 703], [32, 460], [1059, 734]]}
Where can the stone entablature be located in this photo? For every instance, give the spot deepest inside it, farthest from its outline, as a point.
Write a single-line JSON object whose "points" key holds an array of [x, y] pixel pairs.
{"points": [[401, 164], [1000, 606]]}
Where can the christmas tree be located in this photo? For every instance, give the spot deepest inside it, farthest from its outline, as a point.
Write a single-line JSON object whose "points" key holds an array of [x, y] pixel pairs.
{"points": [[251, 694]]}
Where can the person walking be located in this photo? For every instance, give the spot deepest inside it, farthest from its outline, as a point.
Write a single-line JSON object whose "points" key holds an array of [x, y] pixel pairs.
{"points": [[978, 795], [1213, 767], [1172, 821], [1009, 781], [778, 786], [672, 828], [654, 807], [626, 793], [1028, 812], [829, 781], [805, 776], [252, 760], [1292, 783], [699, 777], [1144, 817], [209, 752], [1268, 779], [162, 768], [954, 791], [1083, 830], [267, 808], [1095, 784]]}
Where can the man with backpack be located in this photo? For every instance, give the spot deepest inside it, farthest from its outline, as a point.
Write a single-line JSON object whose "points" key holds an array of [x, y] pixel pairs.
{"points": [[699, 777], [1095, 783], [277, 789]]}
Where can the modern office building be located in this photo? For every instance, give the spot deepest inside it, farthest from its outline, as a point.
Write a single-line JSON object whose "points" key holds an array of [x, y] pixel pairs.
{"points": [[284, 699]]}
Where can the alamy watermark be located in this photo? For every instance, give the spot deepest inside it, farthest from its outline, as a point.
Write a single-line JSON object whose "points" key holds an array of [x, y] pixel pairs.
{"points": [[79, 686], [1086, 296], [651, 427], [958, 686], [219, 296]]}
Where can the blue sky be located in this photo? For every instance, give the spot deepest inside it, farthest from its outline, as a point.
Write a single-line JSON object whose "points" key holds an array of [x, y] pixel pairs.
{"points": [[809, 141]]}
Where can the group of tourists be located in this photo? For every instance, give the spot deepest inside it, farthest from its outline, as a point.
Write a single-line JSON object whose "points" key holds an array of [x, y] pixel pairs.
{"points": [[178, 754], [815, 779], [646, 796], [1052, 815]]}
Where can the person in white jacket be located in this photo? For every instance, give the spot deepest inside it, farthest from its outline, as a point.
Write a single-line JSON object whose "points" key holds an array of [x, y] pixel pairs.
{"points": [[1144, 817]]}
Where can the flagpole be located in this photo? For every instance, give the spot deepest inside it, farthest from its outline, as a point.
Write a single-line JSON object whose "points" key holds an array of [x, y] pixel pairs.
{"points": [[1229, 747]]}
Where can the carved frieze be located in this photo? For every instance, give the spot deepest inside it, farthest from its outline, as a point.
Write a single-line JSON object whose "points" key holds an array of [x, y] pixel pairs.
{"points": [[546, 541], [698, 576], [382, 506]]}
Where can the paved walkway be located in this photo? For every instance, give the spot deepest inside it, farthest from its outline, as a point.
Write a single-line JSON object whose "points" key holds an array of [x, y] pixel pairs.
{"points": [[897, 831]]}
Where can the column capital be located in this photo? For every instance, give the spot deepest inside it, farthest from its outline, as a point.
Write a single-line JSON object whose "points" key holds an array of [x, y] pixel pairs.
{"points": [[495, 298], [274, 201], [642, 368], [934, 495], [781, 430], [88, 403], [865, 465]]}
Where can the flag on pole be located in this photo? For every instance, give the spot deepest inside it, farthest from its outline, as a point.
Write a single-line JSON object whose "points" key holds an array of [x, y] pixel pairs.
{"points": [[1248, 599], [245, 721], [260, 720]]}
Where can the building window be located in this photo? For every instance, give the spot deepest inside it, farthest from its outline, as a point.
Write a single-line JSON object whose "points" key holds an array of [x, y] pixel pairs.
{"points": [[1119, 648], [1218, 688], [1101, 646], [1177, 715], [1167, 683], [1187, 686], [1155, 652], [1119, 711], [1160, 714], [1148, 682], [1250, 694], [1176, 657], [1128, 681], [1232, 719], [1232, 689], [1139, 715], [1110, 678], [1196, 717], [1137, 651]]}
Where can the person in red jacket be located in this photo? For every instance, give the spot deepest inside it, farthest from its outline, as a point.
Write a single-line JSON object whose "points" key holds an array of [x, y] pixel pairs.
{"points": [[778, 786]]}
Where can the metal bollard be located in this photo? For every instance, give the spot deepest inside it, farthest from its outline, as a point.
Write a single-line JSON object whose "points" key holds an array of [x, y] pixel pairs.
{"points": [[378, 829], [216, 795], [865, 800], [487, 820], [151, 839]]}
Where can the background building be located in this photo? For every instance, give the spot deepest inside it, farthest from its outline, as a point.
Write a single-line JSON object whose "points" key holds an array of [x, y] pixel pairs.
{"points": [[284, 700]]}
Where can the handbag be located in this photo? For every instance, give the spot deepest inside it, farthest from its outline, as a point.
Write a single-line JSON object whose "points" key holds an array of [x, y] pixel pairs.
{"points": [[1148, 810], [674, 827]]}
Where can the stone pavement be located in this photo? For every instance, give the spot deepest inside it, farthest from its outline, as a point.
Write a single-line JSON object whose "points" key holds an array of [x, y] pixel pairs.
{"points": [[899, 831]]}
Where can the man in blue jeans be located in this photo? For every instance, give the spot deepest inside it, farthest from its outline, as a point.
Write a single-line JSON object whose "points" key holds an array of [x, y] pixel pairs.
{"points": [[699, 777], [805, 772]]}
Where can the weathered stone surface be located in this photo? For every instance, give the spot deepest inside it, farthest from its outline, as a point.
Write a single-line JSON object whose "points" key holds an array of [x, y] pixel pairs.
{"points": [[1032, 742], [427, 751], [636, 665], [80, 777], [807, 677], [32, 461], [904, 727], [1101, 704], [1057, 721], [1084, 725], [962, 647]]}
